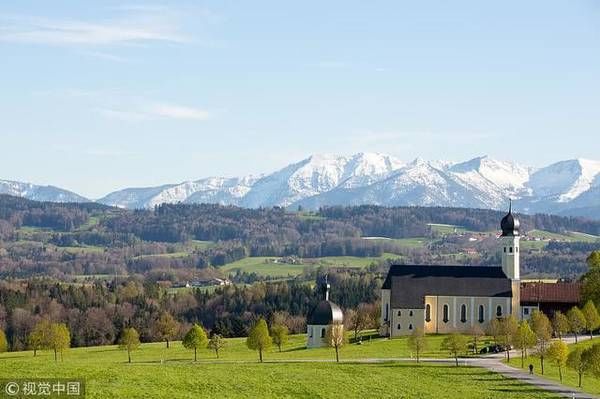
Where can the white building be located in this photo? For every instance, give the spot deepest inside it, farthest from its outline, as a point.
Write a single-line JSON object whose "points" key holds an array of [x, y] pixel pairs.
{"points": [[320, 317], [445, 299]]}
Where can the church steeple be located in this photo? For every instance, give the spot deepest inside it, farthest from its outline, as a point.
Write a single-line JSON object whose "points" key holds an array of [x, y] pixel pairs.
{"points": [[510, 244]]}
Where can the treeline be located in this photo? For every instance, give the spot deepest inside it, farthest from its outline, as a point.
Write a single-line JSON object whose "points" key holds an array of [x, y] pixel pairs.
{"points": [[96, 313]]}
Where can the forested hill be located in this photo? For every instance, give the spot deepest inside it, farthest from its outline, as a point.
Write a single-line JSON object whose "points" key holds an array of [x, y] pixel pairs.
{"points": [[179, 241], [179, 222]]}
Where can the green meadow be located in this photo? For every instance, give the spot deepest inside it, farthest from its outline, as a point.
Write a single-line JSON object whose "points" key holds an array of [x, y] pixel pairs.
{"points": [[296, 372], [590, 383], [266, 266]]}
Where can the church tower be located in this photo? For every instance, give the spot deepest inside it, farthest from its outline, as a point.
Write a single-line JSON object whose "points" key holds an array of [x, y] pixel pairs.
{"points": [[510, 245], [509, 240]]}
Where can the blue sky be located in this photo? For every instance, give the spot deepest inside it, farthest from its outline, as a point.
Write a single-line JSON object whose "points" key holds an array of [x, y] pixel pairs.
{"points": [[96, 96]]}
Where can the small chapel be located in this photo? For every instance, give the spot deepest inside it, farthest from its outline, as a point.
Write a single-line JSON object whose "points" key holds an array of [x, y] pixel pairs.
{"points": [[321, 316], [448, 299]]}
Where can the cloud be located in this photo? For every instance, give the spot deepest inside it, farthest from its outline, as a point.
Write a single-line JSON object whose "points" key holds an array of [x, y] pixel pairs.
{"points": [[138, 25], [179, 112], [156, 111]]}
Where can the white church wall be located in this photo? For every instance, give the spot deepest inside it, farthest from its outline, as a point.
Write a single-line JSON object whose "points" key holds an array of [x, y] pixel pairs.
{"points": [[316, 335]]}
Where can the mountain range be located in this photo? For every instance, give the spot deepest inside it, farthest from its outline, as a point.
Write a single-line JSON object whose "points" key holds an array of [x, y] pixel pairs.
{"points": [[570, 187]]}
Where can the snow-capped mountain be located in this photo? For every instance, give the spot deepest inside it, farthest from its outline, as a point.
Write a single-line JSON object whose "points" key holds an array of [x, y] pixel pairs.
{"points": [[569, 187], [39, 193], [316, 175]]}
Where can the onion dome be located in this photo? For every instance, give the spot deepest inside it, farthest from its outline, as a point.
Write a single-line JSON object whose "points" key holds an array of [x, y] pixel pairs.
{"points": [[510, 224], [326, 312]]}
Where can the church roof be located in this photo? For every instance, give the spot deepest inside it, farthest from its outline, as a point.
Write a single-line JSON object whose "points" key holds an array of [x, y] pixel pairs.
{"points": [[561, 292], [410, 284], [326, 312]]}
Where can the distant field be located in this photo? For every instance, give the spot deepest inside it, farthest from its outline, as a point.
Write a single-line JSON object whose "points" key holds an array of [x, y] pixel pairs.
{"points": [[157, 372], [266, 267], [446, 228], [570, 236]]}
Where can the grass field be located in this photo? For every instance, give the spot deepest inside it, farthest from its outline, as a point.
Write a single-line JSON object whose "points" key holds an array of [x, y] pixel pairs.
{"points": [[265, 266], [446, 228], [590, 383], [570, 236], [157, 372]]}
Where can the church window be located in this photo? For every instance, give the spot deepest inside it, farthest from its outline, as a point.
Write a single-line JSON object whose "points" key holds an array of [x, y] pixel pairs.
{"points": [[399, 313], [510, 250], [410, 313], [463, 313], [322, 333], [499, 311], [410, 326], [398, 326], [504, 249], [446, 316], [481, 314], [428, 313], [387, 310]]}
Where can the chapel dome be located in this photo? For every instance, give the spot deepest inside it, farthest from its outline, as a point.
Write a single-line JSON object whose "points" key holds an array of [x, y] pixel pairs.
{"points": [[510, 224]]}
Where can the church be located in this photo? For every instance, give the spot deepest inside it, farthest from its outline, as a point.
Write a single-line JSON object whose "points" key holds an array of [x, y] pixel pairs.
{"points": [[447, 299]]}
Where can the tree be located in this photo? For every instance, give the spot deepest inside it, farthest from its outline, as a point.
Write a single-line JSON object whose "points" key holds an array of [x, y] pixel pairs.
{"points": [[560, 324], [593, 260], [524, 340], [417, 342], [592, 318], [360, 319], [279, 333], [335, 338], [579, 361], [508, 331], [259, 338], [455, 344], [216, 343], [38, 338], [558, 353], [576, 321], [166, 327], [195, 338], [58, 339], [540, 324], [3, 342], [476, 333], [129, 341], [590, 289], [494, 329]]}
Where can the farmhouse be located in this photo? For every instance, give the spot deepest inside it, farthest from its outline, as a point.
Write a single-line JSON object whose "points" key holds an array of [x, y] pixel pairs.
{"points": [[445, 299]]}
